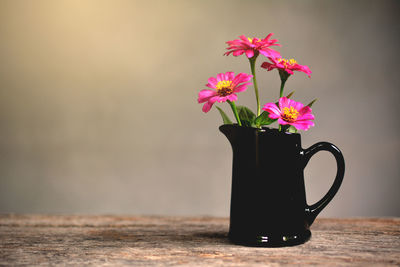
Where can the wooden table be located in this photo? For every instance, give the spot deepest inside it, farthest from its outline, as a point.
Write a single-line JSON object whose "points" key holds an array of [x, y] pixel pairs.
{"points": [[201, 241]]}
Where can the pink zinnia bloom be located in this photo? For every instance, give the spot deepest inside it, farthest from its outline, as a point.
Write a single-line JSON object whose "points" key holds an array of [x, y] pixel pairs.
{"points": [[252, 46], [225, 85], [287, 65], [291, 112]]}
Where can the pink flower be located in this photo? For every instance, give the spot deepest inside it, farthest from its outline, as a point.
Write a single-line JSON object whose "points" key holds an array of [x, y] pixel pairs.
{"points": [[291, 112], [252, 46], [287, 65], [225, 85]]}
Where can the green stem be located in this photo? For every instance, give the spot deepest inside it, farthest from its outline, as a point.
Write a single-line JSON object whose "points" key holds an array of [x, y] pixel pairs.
{"points": [[282, 86], [235, 112], [283, 128], [284, 76], [253, 72]]}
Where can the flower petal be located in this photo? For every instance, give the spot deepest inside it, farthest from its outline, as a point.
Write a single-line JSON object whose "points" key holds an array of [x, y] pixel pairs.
{"points": [[241, 78], [229, 75], [303, 125], [306, 70], [268, 36], [249, 53], [208, 105], [268, 52], [273, 116], [304, 117], [205, 95], [282, 122], [238, 52], [284, 102], [289, 71], [266, 65], [232, 97], [212, 82], [220, 77], [304, 110], [241, 87], [273, 110], [244, 39], [297, 105]]}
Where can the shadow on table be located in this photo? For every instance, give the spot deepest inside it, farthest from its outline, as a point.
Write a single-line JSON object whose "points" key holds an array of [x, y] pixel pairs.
{"points": [[157, 237], [210, 237]]}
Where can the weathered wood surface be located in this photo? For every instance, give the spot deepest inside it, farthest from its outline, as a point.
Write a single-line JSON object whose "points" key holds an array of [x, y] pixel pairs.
{"points": [[160, 241]]}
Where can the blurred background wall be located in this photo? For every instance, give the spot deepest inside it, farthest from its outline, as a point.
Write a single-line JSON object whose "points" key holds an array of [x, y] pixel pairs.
{"points": [[98, 110]]}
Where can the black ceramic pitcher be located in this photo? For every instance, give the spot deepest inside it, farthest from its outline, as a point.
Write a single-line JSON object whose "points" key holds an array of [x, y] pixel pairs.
{"points": [[268, 201]]}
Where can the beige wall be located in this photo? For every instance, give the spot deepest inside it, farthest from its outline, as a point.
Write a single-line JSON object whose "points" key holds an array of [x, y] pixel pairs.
{"points": [[98, 109]]}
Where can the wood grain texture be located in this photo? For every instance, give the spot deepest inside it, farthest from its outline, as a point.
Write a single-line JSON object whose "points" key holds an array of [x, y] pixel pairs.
{"points": [[165, 241]]}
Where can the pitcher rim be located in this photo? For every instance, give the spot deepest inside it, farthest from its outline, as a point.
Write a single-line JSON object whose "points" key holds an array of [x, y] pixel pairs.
{"points": [[263, 129]]}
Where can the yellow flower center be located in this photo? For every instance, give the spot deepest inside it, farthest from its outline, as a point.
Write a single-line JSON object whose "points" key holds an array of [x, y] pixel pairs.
{"points": [[224, 88], [289, 114], [287, 62], [251, 40]]}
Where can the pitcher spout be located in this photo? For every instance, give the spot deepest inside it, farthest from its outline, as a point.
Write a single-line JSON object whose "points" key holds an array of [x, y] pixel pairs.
{"points": [[237, 134]]}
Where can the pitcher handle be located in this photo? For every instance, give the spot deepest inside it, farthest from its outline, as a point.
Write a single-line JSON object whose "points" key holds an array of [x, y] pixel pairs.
{"points": [[313, 210]]}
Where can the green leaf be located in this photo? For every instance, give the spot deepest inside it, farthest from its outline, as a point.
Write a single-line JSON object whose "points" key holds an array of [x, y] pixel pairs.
{"points": [[311, 103], [263, 119], [246, 116], [225, 118], [285, 128], [292, 129], [289, 95]]}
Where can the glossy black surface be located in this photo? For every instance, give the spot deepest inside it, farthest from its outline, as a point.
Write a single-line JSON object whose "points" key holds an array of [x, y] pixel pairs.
{"points": [[268, 201]]}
